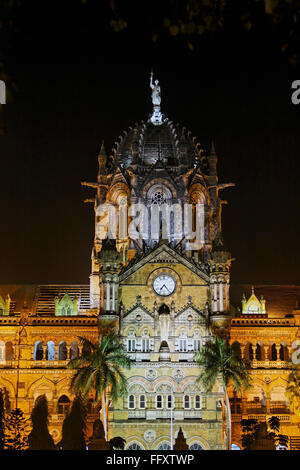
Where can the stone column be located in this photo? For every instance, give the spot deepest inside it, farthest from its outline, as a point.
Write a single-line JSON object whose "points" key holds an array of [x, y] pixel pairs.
{"points": [[221, 296], [278, 351], [113, 300], [215, 295], [107, 298]]}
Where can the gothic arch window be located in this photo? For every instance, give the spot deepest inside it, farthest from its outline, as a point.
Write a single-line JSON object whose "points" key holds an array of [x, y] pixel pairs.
{"points": [[258, 352], [62, 351], [131, 402], [142, 401], [197, 402], [9, 351], [186, 402], [283, 353], [273, 352], [197, 341], [63, 405], [183, 341], [170, 401], [74, 352], [195, 446], [50, 351], [38, 351], [145, 341], [159, 401]]}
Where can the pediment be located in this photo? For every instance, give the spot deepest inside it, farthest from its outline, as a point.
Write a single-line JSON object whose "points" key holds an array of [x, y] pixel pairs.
{"points": [[164, 253], [138, 315]]}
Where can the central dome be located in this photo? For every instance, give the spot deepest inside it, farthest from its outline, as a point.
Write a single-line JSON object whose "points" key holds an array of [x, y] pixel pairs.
{"points": [[147, 144]]}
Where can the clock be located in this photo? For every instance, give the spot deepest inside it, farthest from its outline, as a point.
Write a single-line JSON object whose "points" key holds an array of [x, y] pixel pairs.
{"points": [[164, 285]]}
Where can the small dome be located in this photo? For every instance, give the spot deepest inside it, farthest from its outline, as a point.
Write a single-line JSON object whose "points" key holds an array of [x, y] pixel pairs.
{"points": [[146, 144]]}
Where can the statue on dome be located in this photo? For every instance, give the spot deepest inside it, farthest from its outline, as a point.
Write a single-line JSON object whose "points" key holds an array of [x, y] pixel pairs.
{"points": [[156, 118], [155, 91]]}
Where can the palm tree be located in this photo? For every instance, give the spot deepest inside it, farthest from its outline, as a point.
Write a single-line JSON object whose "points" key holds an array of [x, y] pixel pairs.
{"points": [[293, 391], [99, 369], [217, 358]]}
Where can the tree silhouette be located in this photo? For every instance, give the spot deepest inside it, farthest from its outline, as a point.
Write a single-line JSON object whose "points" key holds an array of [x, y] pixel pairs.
{"points": [[16, 428], [74, 427], [40, 438]]}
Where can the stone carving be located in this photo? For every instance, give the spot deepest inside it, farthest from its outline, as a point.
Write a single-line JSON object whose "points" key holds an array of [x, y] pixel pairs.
{"points": [[150, 435], [151, 374], [178, 374]]}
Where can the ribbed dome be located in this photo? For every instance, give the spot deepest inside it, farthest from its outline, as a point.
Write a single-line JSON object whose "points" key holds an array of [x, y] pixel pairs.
{"points": [[146, 144]]}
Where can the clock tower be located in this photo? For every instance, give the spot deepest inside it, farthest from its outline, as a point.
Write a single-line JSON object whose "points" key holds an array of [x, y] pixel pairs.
{"points": [[160, 268]]}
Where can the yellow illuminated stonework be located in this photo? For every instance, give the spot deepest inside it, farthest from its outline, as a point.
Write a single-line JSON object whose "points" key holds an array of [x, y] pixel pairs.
{"points": [[152, 165]]}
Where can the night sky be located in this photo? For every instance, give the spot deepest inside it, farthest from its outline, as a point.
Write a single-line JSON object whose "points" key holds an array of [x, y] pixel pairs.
{"points": [[79, 83]]}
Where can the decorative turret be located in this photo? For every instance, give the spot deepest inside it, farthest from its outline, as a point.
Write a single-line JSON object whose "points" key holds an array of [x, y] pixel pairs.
{"points": [[253, 305]]}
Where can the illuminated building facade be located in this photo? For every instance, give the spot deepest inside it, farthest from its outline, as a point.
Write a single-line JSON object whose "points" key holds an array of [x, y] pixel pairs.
{"points": [[159, 286]]}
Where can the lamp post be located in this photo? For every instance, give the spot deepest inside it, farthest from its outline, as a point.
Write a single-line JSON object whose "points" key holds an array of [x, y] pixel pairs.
{"points": [[171, 431]]}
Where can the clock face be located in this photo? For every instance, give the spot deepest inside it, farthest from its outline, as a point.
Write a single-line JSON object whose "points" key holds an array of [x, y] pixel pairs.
{"points": [[164, 284]]}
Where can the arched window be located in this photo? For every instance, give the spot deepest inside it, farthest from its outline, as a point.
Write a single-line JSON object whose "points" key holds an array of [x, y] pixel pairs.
{"points": [[50, 351], [164, 446], [195, 446], [197, 344], [273, 352], [74, 350], [250, 352], [258, 352], [145, 342], [38, 351], [131, 402], [183, 342], [131, 341], [62, 351], [134, 446], [9, 351], [197, 402], [159, 403], [142, 401], [63, 405], [169, 401], [186, 401]]}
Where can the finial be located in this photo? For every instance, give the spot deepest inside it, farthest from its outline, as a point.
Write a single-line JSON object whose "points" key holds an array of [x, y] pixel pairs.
{"points": [[252, 290], [102, 148]]}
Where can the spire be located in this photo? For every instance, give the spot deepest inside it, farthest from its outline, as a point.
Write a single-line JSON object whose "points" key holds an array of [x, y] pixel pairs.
{"points": [[102, 157], [212, 148], [212, 160]]}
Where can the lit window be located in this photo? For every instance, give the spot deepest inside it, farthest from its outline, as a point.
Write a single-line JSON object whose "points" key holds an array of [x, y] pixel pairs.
{"points": [[159, 401], [131, 401], [197, 401], [142, 401], [131, 345], [169, 401], [186, 401], [145, 345]]}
